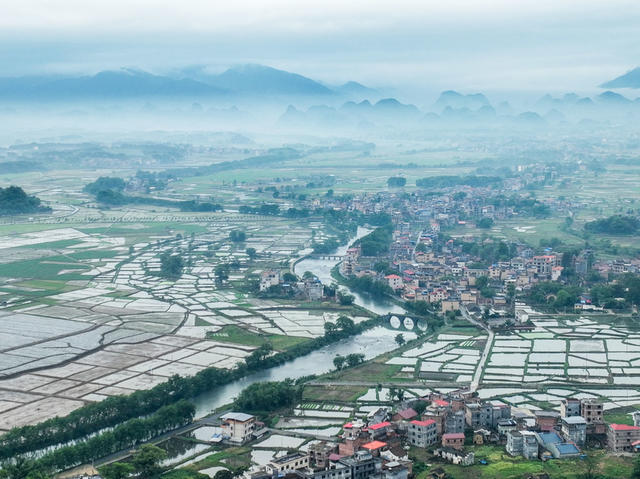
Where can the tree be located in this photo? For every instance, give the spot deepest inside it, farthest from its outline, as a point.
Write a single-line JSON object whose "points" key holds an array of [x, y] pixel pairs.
{"points": [[354, 359], [421, 248], [308, 275], [400, 339], [339, 362], [116, 470], [345, 299], [222, 272], [251, 253], [20, 468], [171, 266], [329, 328], [237, 236], [146, 461], [345, 323], [289, 277], [396, 182], [485, 223], [636, 469], [223, 474]]}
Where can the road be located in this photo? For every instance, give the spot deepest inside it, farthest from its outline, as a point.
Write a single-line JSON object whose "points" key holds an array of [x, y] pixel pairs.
{"points": [[487, 348]]}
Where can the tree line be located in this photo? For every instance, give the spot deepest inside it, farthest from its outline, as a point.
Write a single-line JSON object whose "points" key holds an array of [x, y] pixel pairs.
{"points": [[123, 436]]}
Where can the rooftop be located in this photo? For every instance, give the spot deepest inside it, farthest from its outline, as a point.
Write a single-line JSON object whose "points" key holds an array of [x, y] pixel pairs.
{"points": [[428, 422], [380, 425], [453, 435], [236, 416], [373, 445], [623, 427]]}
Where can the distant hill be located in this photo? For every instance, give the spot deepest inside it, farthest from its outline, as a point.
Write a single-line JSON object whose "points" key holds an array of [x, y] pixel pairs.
{"points": [[260, 80], [107, 85], [630, 79], [355, 89], [455, 100], [192, 82]]}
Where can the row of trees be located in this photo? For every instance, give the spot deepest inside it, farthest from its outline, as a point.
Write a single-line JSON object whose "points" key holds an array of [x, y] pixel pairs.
{"points": [[367, 284], [123, 436], [348, 361]]}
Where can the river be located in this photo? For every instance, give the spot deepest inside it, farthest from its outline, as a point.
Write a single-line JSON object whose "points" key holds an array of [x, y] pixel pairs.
{"points": [[371, 343], [322, 269]]}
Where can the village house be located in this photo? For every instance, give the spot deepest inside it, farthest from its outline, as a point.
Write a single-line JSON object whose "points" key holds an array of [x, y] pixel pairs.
{"points": [[237, 427], [453, 439], [622, 438], [422, 433]]}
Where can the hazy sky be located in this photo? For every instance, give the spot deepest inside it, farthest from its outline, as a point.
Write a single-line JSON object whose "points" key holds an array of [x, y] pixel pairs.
{"points": [[470, 45]]}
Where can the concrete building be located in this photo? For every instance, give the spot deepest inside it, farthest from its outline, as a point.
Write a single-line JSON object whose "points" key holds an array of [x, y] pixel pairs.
{"points": [[422, 433], [238, 427], [522, 443], [570, 407], [319, 454], [574, 429], [269, 278], [592, 411], [454, 422], [290, 462], [547, 420], [620, 437], [362, 465], [454, 440]]}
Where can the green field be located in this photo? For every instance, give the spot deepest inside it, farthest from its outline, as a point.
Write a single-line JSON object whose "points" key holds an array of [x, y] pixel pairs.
{"points": [[237, 335]]}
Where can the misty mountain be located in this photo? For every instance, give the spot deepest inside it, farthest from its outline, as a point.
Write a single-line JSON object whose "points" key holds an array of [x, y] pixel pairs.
{"points": [[354, 89], [631, 79], [192, 82], [612, 98], [457, 100], [259, 80], [104, 85], [350, 113]]}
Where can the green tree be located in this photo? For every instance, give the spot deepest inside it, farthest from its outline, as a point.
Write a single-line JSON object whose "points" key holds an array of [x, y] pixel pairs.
{"points": [[339, 362], [116, 470], [251, 253], [146, 461], [485, 223], [171, 266], [354, 359], [400, 339], [223, 474], [237, 236], [345, 299], [289, 277], [345, 323]]}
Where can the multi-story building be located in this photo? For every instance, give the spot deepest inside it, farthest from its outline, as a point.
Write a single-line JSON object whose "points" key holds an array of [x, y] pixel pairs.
{"points": [[362, 465], [454, 422], [570, 407], [290, 462], [422, 433], [522, 443], [238, 427], [622, 438], [574, 429], [319, 454], [592, 411]]}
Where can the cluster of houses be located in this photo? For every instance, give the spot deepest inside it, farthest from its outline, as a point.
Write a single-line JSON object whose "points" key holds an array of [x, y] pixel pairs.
{"points": [[449, 425], [311, 288]]}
